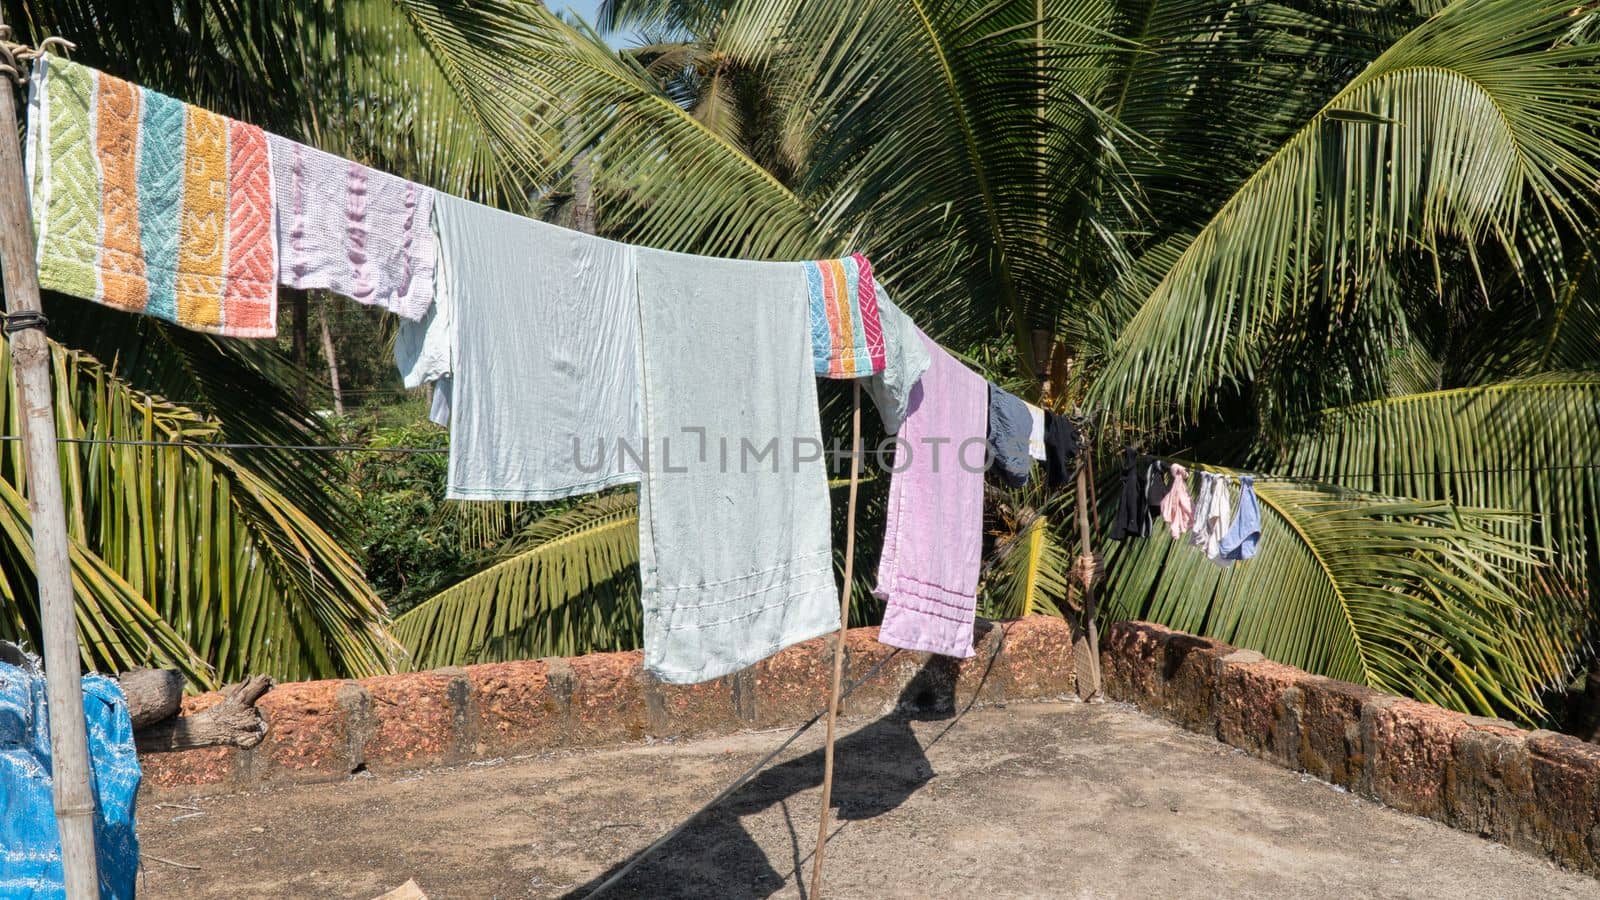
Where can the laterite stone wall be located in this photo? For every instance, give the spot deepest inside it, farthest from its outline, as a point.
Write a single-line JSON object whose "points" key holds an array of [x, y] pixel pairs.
{"points": [[326, 730], [1535, 791]]}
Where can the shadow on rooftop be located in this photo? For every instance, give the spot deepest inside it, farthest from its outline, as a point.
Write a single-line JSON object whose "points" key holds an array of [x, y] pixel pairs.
{"points": [[876, 768]]}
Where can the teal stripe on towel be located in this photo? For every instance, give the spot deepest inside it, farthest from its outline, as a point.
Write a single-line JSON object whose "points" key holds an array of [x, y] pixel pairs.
{"points": [[161, 148]]}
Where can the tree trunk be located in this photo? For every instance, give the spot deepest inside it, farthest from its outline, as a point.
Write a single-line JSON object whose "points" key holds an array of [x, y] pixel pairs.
{"points": [[583, 212], [234, 721], [333, 362], [299, 306], [153, 695]]}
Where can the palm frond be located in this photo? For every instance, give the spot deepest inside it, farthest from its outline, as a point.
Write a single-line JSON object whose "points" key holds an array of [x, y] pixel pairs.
{"points": [[569, 589], [1030, 574], [1471, 122], [184, 553], [1526, 444], [1414, 597]]}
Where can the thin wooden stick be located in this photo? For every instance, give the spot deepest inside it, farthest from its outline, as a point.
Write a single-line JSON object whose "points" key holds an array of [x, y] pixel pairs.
{"points": [[1086, 640], [838, 642], [30, 367]]}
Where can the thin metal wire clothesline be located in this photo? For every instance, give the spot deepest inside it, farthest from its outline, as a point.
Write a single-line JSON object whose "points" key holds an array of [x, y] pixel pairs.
{"points": [[368, 449], [363, 448]]}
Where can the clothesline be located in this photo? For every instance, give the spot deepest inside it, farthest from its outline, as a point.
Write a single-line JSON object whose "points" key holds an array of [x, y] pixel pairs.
{"points": [[235, 445], [363, 448]]}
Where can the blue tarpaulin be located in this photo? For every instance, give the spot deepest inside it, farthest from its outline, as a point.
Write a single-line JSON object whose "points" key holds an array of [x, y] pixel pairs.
{"points": [[30, 846]]}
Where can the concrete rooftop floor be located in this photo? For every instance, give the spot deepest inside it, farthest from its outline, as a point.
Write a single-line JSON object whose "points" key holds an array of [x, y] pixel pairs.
{"points": [[1030, 800]]}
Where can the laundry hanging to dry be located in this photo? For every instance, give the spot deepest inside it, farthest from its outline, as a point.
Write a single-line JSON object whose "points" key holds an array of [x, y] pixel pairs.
{"points": [[150, 205]]}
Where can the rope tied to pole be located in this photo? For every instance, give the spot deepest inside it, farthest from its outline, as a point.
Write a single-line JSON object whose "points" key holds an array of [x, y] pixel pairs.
{"points": [[22, 321], [15, 58]]}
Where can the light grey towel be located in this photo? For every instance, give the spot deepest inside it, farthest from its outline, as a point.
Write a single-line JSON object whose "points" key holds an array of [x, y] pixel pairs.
{"points": [[543, 390], [905, 359], [734, 544], [422, 350]]}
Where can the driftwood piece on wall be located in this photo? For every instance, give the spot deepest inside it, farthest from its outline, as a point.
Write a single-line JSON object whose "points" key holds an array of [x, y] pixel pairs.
{"points": [[153, 695], [232, 721]]}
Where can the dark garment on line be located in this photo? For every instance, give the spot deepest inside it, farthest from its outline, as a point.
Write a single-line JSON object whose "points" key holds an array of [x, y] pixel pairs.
{"points": [[1009, 425], [1060, 449], [1156, 480], [1133, 508]]}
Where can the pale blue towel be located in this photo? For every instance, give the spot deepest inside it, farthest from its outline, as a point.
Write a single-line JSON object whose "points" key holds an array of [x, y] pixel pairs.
{"points": [[532, 345], [735, 550], [1244, 536], [906, 360]]}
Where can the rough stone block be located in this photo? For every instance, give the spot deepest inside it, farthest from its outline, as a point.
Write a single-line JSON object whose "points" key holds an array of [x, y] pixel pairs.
{"points": [[1410, 752], [1190, 668], [607, 691], [1130, 663], [1035, 661], [192, 771], [316, 730], [198, 703], [513, 709], [880, 694], [418, 719], [689, 710], [1566, 796], [1329, 727], [1489, 789], [1250, 706], [791, 685]]}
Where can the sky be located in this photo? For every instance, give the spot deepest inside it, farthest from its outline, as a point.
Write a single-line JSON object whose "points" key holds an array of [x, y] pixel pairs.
{"points": [[584, 8]]}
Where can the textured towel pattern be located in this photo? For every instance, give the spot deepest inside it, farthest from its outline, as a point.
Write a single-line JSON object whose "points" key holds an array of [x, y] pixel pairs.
{"points": [[146, 204], [353, 230], [846, 331], [539, 341], [933, 536], [735, 551]]}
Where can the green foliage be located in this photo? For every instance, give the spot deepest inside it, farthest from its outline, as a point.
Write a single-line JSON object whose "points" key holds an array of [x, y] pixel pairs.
{"points": [[183, 556], [1342, 240], [1472, 128], [568, 585], [412, 542], [1412, 597]]}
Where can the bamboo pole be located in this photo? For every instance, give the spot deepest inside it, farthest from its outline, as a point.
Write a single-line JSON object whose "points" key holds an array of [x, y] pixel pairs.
{"points": [[1086, 631], [838, 643], [30, 364]]}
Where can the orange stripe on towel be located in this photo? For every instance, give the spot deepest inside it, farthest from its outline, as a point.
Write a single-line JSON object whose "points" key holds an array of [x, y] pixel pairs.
{"points": [[122, 274], [252, 267], [203, 225]]}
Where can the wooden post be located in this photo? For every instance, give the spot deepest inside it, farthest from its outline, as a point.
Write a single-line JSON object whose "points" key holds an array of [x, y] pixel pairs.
{"points": [[838, 643], [1086, 632], [30, 365]]}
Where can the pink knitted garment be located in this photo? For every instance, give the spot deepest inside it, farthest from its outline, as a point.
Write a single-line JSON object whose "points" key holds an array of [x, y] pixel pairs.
{"points": [[345, 228], [1177, 508]]}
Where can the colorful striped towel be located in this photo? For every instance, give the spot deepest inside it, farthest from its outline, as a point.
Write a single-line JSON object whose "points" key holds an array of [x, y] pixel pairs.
{"points": [[150, 205], [352, 230], [846, 334]]}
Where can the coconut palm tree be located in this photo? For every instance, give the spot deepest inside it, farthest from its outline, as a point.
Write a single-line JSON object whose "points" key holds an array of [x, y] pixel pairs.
{"points": [[1341, 243], [1264, 234], [217, 559]]}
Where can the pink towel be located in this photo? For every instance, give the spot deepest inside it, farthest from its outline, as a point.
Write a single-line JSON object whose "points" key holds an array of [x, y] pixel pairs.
{"points": [[933, 539], [352, 230], [1177, 509]]}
